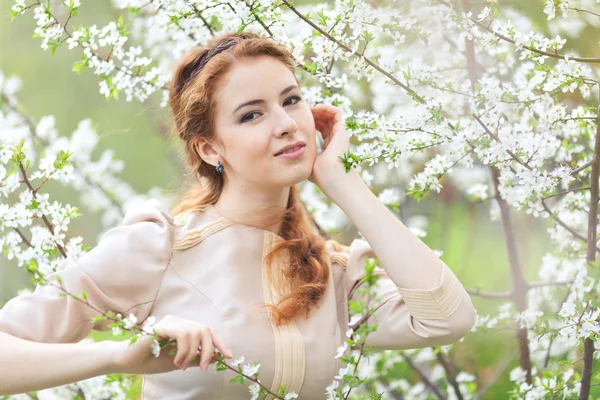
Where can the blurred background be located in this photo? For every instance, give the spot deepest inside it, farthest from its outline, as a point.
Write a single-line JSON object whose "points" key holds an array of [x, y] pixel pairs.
{"points": [[140, 135]]}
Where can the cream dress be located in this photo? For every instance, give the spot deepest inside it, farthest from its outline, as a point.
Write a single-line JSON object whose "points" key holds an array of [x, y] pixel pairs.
{"points": [[204, 267]]}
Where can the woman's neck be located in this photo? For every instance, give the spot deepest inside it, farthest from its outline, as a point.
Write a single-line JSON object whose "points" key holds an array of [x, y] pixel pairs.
{"points": [[260, 208]]}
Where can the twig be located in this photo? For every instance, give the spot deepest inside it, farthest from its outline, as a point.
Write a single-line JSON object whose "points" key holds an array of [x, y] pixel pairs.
{"points": [[565, 192], [495, 137], [489, 295], [583, 11], [44, 218], [424, 378], [564, 225], [550, 283], [362, 345], [23, 238], [450, 374], [584, 166]]}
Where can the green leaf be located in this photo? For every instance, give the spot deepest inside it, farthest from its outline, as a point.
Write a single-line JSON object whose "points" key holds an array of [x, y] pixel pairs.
{"points": [[78, 66], [99, 318]]}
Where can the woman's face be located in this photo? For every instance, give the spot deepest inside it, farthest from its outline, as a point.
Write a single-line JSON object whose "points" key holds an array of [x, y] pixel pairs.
{"points": [[252, 134]]}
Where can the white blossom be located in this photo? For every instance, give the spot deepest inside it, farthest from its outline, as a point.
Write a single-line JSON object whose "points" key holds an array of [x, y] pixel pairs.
{"points": [[250, 370], [254, 391]]}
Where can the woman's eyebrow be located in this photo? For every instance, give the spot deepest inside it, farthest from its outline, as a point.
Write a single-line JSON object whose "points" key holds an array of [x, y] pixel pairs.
{"points": [[258, 101]]}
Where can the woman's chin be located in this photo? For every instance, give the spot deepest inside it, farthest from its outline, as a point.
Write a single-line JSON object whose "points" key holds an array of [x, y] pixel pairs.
{"points": [[298, 176]]}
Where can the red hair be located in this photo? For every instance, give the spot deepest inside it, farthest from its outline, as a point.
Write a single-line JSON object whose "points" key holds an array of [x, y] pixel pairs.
{"points": [[192, 104]]}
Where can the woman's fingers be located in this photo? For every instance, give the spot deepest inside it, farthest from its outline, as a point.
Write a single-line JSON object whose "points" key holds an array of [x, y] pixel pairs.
{"points": [[325, 110], [326, 116], [207, 350], [183, 348], [219, 344], [194, 339]]}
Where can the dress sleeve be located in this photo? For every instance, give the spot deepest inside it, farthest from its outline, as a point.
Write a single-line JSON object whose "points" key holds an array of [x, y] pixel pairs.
{"points": [[408, 317], [122, 273]]}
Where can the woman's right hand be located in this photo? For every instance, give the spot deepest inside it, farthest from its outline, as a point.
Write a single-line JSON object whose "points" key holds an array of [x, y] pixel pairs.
{"points": [[191, 339]]}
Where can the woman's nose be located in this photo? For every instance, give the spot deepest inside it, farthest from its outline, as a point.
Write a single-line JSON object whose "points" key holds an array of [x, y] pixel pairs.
{"points": [[285, 123]]}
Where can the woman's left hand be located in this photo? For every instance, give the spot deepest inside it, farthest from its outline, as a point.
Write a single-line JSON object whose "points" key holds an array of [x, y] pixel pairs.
{"points": [[330, 121]]}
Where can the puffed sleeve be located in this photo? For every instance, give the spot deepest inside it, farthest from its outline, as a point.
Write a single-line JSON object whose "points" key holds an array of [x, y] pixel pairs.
{"points": [[122, 273], [408, 317]]}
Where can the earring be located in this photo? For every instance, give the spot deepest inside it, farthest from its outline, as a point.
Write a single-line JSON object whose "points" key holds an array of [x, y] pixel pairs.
{"points": [[219, 167]]}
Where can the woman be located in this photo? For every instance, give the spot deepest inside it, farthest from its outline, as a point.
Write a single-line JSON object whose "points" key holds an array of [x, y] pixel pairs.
{"points": [[237, 265]]}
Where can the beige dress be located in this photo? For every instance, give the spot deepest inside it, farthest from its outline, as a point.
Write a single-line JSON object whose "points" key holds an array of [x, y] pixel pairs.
{"points": [[204, 267]]}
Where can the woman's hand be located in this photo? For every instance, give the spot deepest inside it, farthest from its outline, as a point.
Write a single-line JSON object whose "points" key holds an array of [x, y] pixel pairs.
{"points": [[189, 336], [330, 121]]}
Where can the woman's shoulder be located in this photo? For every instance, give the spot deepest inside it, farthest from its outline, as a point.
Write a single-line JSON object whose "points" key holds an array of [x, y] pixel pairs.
{"points": [[175, 222], [151, 209], [147, 231]]}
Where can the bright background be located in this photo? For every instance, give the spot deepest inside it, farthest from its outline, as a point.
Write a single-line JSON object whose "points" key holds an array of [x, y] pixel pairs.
{"points": [[472, 245]]}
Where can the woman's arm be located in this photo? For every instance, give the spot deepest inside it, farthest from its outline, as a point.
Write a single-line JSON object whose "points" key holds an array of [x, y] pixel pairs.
{"points": [[417, 285], [407, 260], [27, 366]]}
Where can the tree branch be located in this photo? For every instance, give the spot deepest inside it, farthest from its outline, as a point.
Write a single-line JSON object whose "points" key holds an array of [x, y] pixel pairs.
{"points": [[530, 48], [449, 373], [489, 295], [430, 385], [588, 345]]}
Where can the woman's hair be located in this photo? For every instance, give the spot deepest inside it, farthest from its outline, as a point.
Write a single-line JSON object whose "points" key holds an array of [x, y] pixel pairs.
{"points": [[195, 79]]}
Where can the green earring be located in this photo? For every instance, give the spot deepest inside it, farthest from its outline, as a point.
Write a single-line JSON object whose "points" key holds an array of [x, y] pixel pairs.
{"points": [[219, 167]]}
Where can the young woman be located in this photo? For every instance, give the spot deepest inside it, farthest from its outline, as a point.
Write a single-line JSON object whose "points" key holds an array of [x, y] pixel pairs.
{"points": [[237, 265]]}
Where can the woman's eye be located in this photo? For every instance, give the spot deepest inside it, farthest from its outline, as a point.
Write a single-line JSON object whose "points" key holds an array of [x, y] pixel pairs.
{"points": [[298, 98], [244, 119]]}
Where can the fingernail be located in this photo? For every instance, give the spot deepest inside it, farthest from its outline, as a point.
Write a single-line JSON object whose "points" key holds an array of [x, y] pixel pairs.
{"points": [[204, 366], [229, 352]]}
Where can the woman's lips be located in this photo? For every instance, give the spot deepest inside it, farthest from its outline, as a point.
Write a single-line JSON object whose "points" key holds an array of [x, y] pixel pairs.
{"points": [[292, 155]]}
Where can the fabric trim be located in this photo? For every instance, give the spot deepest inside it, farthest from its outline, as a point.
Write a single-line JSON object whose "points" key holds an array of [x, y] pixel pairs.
{"points": [[181, 218], [339, 258], [195, 236], [290, 356], [439, 302]]}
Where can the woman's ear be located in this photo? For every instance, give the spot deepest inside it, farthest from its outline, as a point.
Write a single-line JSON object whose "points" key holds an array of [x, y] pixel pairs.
{"points": [[206, 151]]}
